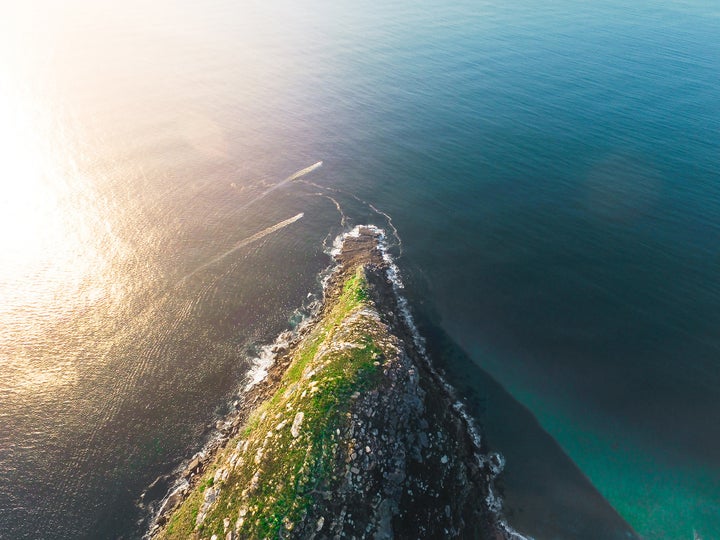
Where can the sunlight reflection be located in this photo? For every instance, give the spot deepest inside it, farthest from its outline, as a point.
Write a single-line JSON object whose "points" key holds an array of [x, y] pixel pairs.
{"points": [[50, 264]]}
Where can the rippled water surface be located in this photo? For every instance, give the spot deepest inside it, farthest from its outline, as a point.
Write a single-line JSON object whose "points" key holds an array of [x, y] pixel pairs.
{"points": [[551, 167]]}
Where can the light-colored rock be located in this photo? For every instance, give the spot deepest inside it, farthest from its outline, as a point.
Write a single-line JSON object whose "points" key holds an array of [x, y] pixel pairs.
{"points": [[297, 423], [220, 475], [209, 498], [192, 466]]}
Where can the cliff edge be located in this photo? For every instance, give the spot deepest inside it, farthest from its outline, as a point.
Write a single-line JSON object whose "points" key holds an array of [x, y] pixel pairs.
{"points": [[352, 436]]}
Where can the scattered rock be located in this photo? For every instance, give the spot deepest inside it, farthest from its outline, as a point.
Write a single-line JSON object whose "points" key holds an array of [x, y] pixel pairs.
{"points": [[192, 467], [297, 423]]}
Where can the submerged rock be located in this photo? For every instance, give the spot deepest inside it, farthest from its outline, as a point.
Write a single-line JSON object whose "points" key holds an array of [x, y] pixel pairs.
{"points": [[378, 446]]}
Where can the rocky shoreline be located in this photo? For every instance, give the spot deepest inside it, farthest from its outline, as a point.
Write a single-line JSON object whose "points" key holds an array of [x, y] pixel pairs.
{"points": [[352, 433]]}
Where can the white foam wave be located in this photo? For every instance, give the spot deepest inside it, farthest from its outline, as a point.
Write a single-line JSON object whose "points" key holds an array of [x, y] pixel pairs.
{"points": [[263, 361], [181, 488], [391, 225], [266, 357]]}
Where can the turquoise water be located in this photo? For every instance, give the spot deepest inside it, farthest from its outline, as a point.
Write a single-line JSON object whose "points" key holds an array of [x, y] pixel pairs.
{"points": [[551, 167]]}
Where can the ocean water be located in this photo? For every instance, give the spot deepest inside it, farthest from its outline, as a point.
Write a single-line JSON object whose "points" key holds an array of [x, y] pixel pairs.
{"points": [[552, 171]]}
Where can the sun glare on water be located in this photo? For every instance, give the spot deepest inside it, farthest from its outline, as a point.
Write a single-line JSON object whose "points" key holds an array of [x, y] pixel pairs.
{"points": [[49, 261], [26, 206]]}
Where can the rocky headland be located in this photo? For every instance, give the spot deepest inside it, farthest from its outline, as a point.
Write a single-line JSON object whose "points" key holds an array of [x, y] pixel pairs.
{"points": [[351, 435]]}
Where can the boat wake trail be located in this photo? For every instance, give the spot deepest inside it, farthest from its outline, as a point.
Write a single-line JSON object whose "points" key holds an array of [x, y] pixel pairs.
{"points": [[303, 172], [344, 218], [249, 240], [294, 176], [390, 224]]}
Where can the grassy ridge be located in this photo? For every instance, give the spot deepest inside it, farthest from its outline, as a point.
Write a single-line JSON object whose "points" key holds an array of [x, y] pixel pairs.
{"points": [[266, 478]]}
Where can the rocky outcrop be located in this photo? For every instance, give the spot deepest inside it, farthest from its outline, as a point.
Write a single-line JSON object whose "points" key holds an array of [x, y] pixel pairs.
{"points": [[356, 435]]}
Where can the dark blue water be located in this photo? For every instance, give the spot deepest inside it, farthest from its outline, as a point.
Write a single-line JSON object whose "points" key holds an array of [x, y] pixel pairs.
{"points": [[551, 167], [555, 176]]}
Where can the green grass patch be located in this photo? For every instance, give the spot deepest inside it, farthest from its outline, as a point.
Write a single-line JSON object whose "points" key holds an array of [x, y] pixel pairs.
{"points": [[279, 473]]}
